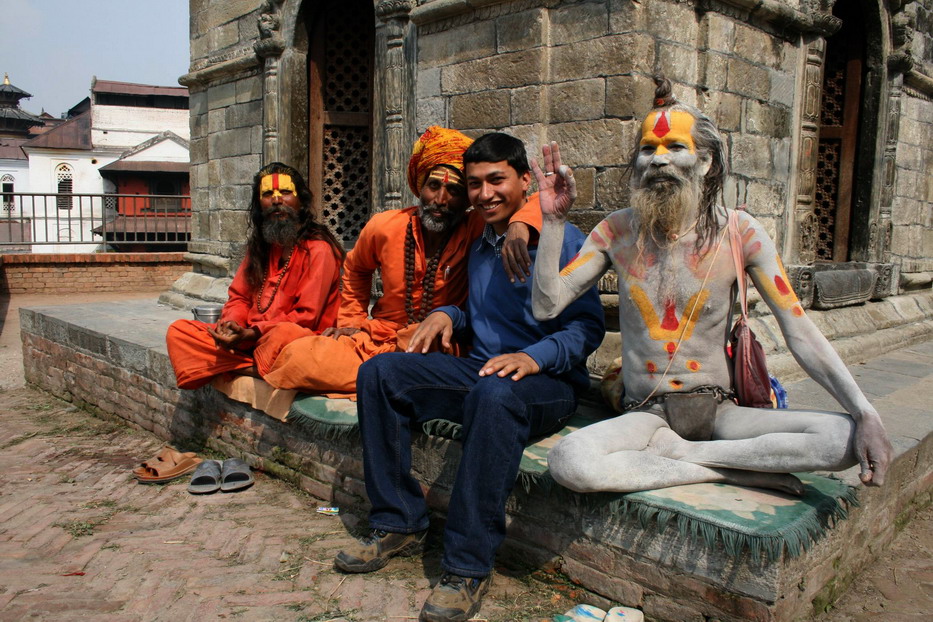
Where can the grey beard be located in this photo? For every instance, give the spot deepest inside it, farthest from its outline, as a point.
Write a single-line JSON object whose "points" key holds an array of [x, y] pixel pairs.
{"points": [[661, 207], [281, 231], [438, 225]]}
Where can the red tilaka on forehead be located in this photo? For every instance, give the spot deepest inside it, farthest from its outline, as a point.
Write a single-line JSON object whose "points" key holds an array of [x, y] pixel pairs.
{"points": [[275, 181], [446, 176], [662, 124]]}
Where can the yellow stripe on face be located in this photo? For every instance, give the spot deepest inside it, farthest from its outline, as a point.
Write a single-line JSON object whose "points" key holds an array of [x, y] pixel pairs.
{"points": [[576, 263], [665, 127], [276, 183]]}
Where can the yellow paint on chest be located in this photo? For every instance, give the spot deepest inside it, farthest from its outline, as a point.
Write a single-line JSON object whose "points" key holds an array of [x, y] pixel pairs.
{"points": [[668, 326]]}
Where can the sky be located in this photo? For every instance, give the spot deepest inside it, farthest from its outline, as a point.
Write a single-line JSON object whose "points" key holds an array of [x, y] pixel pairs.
{"points": [[53, 48]]}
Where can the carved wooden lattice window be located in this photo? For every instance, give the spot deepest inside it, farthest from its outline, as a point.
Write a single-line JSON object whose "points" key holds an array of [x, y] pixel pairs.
{"points": [[839, 125], [64, 179], [340, 81], [9, 185]]}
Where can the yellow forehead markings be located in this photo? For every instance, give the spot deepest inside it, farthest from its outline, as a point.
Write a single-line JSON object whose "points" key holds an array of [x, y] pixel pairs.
{"points": [[665, 127], [276, 183], [446, 176]]}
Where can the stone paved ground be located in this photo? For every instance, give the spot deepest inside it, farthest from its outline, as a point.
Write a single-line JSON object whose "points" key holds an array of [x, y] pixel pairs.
{"points": [[80, 540]]}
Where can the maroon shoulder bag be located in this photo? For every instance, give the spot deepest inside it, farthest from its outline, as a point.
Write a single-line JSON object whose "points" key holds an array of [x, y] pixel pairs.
{"points": [[749, 369]]}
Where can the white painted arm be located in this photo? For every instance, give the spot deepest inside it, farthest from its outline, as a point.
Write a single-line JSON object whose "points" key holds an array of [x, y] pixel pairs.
{"points": [[812, 350]]}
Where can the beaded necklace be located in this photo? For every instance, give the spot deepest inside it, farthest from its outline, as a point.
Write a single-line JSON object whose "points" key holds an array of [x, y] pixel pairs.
{"points": [[275, 290], [427, 284]]}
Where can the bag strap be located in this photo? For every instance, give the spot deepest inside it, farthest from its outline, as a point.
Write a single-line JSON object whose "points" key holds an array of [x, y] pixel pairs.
{"points": [[739, 259]]}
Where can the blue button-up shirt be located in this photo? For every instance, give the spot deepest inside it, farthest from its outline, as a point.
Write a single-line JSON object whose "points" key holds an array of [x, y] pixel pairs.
{"points": [[498, 314]]}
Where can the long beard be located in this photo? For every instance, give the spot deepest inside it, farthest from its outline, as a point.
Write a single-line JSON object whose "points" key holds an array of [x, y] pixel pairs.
{"points": [[661, 208], [282, 231], [446, 222]]}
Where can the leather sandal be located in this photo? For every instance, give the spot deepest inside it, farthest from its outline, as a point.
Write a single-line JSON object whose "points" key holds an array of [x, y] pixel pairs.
{"points": [[166, 472], [167, 456]]}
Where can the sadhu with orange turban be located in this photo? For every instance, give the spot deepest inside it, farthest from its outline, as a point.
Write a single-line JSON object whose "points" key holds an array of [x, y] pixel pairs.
{"points": [[421, 252], [438, 146]]}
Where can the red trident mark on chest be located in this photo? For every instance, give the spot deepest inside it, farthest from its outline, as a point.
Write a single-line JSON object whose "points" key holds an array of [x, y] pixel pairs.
{"points": [[662, 125]]}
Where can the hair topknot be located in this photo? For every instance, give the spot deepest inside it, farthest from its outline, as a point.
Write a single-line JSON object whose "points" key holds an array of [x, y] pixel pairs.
{"points": [[663, 93]]}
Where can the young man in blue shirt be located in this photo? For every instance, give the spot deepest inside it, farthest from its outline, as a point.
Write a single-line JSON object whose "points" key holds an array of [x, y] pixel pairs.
{"points": [[521, 379]]}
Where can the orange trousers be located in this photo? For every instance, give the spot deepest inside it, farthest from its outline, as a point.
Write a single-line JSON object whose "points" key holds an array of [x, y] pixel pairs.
{"points": [[318, 364], [196, 358]]}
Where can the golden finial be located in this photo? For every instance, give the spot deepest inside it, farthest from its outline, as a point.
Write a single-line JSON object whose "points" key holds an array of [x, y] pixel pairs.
{"points": [[6, 78]]}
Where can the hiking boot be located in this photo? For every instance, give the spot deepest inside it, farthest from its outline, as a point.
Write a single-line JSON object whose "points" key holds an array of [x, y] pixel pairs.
{"points": [[374, 551], [455, 598]]}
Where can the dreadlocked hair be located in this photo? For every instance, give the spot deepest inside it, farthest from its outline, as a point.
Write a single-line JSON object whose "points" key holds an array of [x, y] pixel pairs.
{"points": [[257, 249], [709, 143]]}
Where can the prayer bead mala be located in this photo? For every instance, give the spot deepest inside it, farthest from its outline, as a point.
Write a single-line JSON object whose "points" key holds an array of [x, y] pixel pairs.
{"points": [[427, 284], [275, 290]]}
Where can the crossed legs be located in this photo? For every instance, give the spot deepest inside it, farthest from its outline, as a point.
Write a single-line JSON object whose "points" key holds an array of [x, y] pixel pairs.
{"points": [[750, 446]]}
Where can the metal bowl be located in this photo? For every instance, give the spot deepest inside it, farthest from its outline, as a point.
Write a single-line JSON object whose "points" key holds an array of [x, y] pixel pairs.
{"points": [[208, 314]]}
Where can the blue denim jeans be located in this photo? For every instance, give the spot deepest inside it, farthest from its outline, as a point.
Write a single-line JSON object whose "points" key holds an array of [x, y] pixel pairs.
{"points": [[397, 391]]}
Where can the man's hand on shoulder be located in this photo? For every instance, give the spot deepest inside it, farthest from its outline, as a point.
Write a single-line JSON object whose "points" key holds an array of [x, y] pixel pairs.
{"points": [[518, 364], [436, 324], [335, 332], [873, 450], [515, 257]]}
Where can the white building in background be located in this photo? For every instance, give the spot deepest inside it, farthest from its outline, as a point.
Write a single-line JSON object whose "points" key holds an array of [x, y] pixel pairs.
{"points": [[118, 123], [16, 126]]}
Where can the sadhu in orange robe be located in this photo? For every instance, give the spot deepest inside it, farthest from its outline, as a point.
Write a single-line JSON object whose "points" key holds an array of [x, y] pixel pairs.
{"points": [[327, 365], [306, 303]]}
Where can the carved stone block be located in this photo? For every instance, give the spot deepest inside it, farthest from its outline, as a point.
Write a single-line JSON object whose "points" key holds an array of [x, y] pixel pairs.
{"points": [[842, 288]]}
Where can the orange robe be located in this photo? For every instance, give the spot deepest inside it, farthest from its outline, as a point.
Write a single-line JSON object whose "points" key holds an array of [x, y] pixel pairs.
{"points": [[306, 303], [327, 365]]}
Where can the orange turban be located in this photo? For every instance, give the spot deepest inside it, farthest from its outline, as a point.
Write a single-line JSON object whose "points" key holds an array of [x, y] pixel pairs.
{"points": [[438, 145]]}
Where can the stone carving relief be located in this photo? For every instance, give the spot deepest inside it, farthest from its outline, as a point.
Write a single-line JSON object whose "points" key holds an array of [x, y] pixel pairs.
{"points": [[397, 98], [805, 219], [807, 230]]}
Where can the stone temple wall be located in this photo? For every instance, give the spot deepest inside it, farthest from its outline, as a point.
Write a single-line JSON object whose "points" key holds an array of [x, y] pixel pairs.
{"points": [[226, 104], [912, 210], [580, 73]]}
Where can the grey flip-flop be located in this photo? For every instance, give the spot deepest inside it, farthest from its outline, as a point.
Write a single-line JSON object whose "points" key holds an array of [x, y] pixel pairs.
{"points": [[235, 475], [206, 478]]}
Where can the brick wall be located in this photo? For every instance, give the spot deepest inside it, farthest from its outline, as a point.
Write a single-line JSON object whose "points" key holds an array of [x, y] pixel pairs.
{"points": [[72, 273]]}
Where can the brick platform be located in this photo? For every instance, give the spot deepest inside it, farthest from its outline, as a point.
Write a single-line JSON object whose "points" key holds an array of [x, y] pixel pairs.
{"points": [[112, 358]]}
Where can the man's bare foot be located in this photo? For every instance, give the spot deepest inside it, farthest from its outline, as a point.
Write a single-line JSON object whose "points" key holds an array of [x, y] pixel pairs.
{"points": [[783, 482]]}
